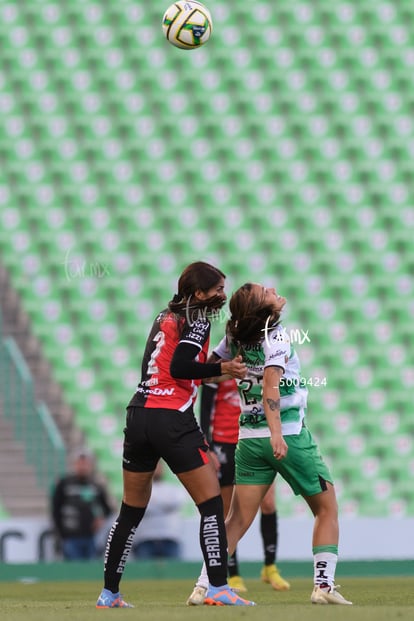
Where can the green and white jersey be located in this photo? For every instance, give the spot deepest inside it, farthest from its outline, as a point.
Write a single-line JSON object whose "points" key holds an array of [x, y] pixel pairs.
{"points": [[274, 349]]}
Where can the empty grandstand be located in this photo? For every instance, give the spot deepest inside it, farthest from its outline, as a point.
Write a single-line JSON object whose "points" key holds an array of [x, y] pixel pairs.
{"points": [[282, 151]]}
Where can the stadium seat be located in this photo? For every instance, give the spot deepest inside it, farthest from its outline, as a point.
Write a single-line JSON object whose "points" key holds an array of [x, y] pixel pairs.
{"points": [[124, 159]]}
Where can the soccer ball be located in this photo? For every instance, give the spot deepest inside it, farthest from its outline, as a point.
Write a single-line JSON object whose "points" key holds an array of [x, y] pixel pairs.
{"points": [[187, 25]]}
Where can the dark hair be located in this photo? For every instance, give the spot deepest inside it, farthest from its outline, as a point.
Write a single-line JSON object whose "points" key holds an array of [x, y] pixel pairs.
{"points": [[250, 316], [198, 276]]}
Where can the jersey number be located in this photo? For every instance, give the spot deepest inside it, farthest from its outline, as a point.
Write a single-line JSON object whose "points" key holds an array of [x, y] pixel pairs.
{"points": [[245, 387], [159, 338]]}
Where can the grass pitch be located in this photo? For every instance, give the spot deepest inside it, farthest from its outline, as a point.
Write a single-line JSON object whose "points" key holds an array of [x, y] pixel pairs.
{"points": [[375, 599]]}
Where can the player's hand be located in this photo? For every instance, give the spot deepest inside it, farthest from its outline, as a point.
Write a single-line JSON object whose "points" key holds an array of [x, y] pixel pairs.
{"points": [[234, 368], [279, 446]]}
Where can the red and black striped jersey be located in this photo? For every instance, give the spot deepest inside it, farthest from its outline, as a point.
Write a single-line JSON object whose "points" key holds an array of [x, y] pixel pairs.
{"points": [[157, 388], [226, 412]]}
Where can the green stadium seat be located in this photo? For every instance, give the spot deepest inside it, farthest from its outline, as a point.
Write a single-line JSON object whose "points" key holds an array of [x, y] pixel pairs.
{"points": [[287, 163]]}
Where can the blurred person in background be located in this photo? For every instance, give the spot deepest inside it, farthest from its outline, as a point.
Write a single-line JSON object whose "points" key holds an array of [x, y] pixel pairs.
{"points": [[79, 506], [220, 409], [160, 534]]}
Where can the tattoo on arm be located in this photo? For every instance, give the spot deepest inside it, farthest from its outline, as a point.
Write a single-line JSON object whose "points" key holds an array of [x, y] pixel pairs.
{"points": [[274, 405]]}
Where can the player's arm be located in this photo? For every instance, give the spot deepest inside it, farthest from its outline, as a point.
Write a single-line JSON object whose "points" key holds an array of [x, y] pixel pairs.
{"points": [[185, 366], [271, 404], [222, 354], [213, 357]]}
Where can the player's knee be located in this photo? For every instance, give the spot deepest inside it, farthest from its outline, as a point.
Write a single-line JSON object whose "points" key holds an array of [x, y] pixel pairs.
{"points": [[213, 506]]}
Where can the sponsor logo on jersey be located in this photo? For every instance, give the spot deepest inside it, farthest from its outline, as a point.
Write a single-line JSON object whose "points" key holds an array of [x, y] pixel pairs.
{"points": [[254, 361], [277, 354], [280, 336], [196, 338], [153, 381], [252, 347], [163, 392], [198, 331]]}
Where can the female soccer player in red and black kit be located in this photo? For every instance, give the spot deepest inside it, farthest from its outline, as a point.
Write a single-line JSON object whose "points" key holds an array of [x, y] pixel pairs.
{"points": [[160, 423]]}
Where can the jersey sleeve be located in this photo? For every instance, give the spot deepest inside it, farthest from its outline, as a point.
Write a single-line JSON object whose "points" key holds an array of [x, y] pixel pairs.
{"points": [[276, 347], [196, 333], [222, 350]]}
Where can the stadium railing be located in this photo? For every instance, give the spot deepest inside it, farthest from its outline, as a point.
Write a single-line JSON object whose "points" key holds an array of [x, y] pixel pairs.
{"points": [[33, 424]]}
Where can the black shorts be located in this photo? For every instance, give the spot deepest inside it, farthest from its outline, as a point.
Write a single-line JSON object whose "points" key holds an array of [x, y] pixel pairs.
{"points": [[225, 453], [151, 433]]}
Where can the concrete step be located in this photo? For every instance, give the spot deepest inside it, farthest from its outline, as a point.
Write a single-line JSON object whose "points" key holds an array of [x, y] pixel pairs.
{"points": [[19, 491], [16, 323], [27, 507]]}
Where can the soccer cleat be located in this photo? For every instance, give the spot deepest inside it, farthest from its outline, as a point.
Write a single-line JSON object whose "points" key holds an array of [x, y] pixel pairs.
{"points": [[328, 595], [224, 596], [197, 597], [271, 575], [107, 599], [236, 583]]}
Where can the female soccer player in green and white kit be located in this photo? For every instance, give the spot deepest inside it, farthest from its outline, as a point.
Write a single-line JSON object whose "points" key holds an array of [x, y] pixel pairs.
{"points": [[273, 436]]}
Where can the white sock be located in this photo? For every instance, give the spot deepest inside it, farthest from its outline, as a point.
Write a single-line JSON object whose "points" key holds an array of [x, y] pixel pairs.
{"points": [[324, 566], [203, 578]]}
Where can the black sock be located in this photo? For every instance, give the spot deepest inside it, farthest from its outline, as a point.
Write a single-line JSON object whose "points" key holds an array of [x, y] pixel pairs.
{"points": [[119, 544], [269, 531], [233, 565], [213, 540]]}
